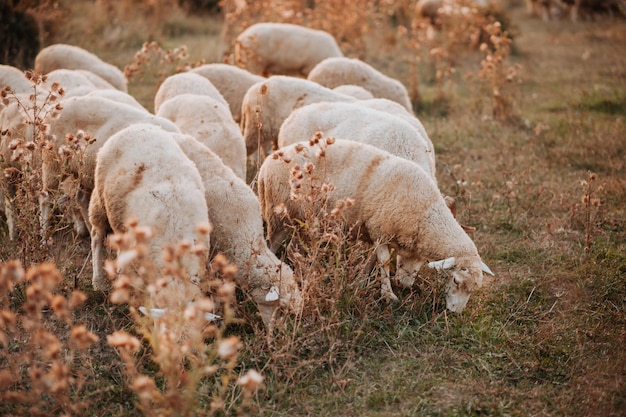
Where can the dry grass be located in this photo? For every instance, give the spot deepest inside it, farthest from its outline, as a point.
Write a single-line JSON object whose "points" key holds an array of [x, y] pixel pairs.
{"points": [[544, 187]]}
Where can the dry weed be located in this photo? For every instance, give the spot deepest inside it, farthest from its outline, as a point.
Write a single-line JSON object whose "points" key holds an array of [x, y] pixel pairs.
{"points": [[46, 359], [182, 328]]}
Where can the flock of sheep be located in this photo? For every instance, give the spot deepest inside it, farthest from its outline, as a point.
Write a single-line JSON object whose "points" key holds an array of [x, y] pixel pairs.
{"points": [[293, 100]]}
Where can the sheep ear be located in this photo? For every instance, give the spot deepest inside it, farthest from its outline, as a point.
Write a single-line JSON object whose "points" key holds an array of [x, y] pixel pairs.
{"points": [[272, 295], [443, 264], [155, 313], [486, 269]]}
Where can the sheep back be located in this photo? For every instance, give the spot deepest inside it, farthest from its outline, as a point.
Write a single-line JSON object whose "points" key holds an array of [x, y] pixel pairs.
{"points": [[283, 49], [231, 81], [336, 71], [73, 57], [267, 104]]}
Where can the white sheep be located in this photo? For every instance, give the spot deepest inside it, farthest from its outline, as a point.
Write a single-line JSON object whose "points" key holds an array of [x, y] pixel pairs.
{"points": [[283, 49], [238, 232], [333, 72], [118, 96], [231, 81], [100, 118], [355, 91], [267, 104], [61, 55], [141, 173], [185, 83], [74, 82], [13, 77], [361, 124], [391, 107], [210, 122], [396, 204]]}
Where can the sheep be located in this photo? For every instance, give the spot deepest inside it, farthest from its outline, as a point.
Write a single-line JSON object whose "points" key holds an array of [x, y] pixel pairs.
{"points": [[212, 124], [14, 78], [238, 232], [391, 107], [185, 83], [117, 95], [74, 82], [61, 55], [141, 173], [100, 118], [395, 204], [231, 81], [359, 123], [333, 72], [267, 104], [283, 49], [355, 91]]}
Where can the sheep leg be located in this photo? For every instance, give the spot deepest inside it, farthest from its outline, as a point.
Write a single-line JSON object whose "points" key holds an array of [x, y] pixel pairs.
{"points": [[97, 257], [81, 219], [10, 217], [406, 271], [384, 259], [45, 207]]}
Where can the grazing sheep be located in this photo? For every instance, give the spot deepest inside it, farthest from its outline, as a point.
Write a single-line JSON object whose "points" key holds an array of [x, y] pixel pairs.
{"points": [[361, 124], [355, 91], [238, 232], [396, 204], [73, 57], [283, 49], [141, 173], [231, 81], [185, 83], [267, 104], [210, 122], [100, 118], [333, 72]]}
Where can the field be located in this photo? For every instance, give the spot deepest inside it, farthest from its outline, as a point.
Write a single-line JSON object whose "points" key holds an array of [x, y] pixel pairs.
{"points": [[539, 170]]}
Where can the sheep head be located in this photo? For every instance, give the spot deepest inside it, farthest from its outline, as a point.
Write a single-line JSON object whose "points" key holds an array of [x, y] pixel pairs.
{"points": [[284, 292], [466, 276]]}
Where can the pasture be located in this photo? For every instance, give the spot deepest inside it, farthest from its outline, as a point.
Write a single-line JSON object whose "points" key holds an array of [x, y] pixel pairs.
{"points": [[530, 139]]}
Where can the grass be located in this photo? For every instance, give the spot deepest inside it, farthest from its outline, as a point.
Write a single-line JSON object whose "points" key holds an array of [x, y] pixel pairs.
{"points": [[545, 337]]}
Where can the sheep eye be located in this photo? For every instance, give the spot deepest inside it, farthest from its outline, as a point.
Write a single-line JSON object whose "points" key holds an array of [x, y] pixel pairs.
{"points": [[464, 269]]}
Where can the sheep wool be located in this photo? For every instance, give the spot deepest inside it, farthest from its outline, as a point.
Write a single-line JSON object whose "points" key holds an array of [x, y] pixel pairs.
{"points": [[212, 124], [283, 49], [238, 233], [185, 83], [267, 104], [141, 173], [231, 81], [61, 55], [359, 123], [336, 71]]}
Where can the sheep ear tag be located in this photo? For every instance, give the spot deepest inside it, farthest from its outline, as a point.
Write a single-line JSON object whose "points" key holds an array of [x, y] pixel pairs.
{"points": [[272, 295], [155, 313], [212, 317], [443, 264], [486, 269]]}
